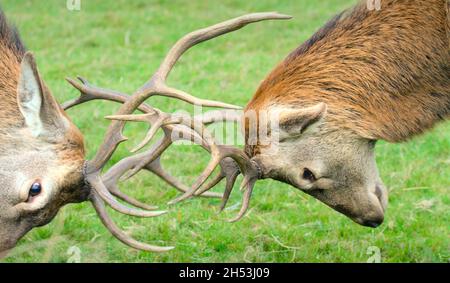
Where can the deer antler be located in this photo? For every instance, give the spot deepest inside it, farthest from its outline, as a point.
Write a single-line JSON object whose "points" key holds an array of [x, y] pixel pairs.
{"points": [[233, 161]]}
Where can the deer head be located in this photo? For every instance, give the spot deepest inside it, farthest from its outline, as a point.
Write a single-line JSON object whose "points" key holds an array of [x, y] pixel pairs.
{"points": [[41, 160], [334, 165], [345, 88]]}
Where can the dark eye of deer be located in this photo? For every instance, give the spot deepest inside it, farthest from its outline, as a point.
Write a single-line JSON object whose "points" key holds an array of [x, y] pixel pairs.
{"points": [[308, 175], [35, 189]]}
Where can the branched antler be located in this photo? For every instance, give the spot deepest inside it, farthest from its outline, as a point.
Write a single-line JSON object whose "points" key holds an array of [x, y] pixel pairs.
{"points": [[232, 161]]}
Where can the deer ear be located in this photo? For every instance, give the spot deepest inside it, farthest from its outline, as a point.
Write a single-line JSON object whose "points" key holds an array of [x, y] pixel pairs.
{"points": [[40, 110], [293, 122]]}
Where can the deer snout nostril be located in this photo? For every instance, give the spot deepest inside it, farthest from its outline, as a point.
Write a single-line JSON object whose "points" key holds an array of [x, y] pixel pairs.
{"points": [[379, 192]]}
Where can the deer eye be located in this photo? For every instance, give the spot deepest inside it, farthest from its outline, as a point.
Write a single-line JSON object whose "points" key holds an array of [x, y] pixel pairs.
{"points": [[308, 175], [35, 189]]}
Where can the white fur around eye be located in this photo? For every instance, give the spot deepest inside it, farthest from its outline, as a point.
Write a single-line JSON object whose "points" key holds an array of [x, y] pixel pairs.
{"points": [[39, 201], [21, 184]]}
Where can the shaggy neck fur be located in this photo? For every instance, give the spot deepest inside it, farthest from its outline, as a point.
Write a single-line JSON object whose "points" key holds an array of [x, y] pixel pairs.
{"points": [[383, 74]]}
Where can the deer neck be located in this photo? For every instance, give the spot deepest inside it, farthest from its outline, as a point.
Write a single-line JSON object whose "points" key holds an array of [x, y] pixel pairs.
{"points": [[384, 74]]}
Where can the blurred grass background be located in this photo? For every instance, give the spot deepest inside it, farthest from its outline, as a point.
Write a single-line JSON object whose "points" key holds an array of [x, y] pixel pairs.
{"points": [[119, 44]]}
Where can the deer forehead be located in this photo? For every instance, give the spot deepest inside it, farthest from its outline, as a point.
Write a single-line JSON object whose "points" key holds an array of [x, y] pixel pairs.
{"points": [[28, 164]]}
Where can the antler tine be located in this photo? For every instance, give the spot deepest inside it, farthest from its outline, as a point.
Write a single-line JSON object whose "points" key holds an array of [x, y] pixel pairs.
{"points": [[186, 97], [231, 180], [245, 202], [157, 120], [96, 183], [212, 165], [156, 168], [216, 116], [88, 92], [208, 33], [115, 191], [110, 179], [191, 136], [211, 184], [213, 148], [219, 153], [251, 172], [188, 41], [117, 232], [228, 170]]}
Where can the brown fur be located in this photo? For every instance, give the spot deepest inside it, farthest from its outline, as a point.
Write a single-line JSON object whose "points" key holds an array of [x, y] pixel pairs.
{"points": [[12, 50], [11, 53], [383, 74]]}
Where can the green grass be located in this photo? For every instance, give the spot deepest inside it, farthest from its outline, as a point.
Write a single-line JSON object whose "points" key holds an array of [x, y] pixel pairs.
{"points": [[118, 44]]}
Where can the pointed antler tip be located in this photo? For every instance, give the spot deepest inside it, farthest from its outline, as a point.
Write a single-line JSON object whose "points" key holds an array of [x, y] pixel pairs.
{"points": [[166, 249], [157, 213], [139, 147], [172, 202], [272, 15], [234, 220], [280, 15], [81, 79], [284, 16], [70, 80]]}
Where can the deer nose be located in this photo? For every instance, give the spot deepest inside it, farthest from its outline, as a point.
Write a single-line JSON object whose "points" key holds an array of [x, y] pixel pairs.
{"points": [[373, 223]]}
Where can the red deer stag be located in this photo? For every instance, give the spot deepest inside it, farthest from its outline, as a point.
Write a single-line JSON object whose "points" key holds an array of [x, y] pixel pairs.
{"points": [[42, 155], [367, 75]]}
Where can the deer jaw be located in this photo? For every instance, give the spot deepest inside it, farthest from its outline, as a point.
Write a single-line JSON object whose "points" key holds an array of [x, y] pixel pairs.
{"points": [[20, 212]]}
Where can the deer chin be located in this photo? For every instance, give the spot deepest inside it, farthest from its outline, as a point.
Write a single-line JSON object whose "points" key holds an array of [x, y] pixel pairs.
{"points": [[370, 213]]}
